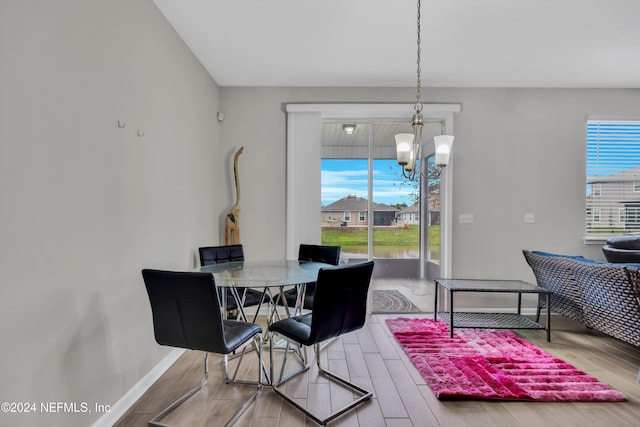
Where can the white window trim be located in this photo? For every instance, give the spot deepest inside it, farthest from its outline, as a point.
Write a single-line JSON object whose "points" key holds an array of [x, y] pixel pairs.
{"points": [[596, 239]]}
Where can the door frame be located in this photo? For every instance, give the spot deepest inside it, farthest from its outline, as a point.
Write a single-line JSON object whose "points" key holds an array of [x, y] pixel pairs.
{"points": [[304, 123]]}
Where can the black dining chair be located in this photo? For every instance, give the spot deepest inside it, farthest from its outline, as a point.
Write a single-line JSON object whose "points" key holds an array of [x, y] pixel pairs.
{"points": [[339, 307], [186, 314], [316, 253], [231, 253]]}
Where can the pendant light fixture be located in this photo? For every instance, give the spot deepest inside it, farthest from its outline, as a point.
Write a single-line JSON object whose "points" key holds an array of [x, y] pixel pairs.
{"points": [[408, 144]]}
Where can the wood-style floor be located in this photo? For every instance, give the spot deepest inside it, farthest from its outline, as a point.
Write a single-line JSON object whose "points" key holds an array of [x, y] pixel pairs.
{"points": [[372, 358]]}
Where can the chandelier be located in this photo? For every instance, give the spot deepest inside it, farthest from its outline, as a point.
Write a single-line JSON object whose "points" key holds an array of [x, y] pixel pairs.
{"points": [[408, 144]]}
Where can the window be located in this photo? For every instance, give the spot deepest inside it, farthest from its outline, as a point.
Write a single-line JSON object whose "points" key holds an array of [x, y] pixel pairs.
{"points": [[304, 149], [633, 219], [361, 179], [613, 177]]}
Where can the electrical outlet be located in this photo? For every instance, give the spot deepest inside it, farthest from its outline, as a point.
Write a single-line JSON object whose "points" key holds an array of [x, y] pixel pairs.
{"points": [[529, 218], [466, 218]]}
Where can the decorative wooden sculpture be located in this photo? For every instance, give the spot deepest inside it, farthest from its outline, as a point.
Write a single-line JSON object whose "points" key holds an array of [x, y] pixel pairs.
{"points": [[232, 229]]}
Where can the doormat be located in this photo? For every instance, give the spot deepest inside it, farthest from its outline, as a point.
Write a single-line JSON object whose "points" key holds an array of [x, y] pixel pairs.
{"points": [[493, 365], [392, 301]]}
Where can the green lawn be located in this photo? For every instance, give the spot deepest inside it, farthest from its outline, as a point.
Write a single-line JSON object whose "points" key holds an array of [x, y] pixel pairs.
{"points": [[402, 238]]}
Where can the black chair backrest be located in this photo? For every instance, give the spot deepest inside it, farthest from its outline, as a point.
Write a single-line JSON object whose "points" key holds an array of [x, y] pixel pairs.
{"points": [[319, 253], [220, 254], [186, 310], [340, 301]]}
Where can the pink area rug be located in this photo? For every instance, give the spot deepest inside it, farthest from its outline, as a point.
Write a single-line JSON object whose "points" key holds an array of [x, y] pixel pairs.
{"points": [[493, 365]]}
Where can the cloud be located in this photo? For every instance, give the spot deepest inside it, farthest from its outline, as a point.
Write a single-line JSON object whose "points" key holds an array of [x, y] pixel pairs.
{"points": [[346, 178], [387, 187]]}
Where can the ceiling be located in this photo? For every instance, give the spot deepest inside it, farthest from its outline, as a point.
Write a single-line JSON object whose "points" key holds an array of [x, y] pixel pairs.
{"points": [[335, 139], [372, 43]]}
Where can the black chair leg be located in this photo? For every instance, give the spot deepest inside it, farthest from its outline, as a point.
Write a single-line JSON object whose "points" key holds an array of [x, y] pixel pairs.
{"points": [[231, 379], [365, 394], [155, 421], [302, 356]]}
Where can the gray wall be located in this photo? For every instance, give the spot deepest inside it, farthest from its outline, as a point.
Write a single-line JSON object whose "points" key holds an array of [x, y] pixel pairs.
{"points": [[516, 151], [84, 204]]}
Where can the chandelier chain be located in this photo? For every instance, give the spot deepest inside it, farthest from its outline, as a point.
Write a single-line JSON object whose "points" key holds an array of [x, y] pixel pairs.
{"points": [[408, 145], [418, 106]]}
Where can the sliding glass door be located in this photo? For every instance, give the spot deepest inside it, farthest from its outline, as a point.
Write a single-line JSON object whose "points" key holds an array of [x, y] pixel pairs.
{"points": [[368, 208], [305, 135], [345, 189], [431, 218]]}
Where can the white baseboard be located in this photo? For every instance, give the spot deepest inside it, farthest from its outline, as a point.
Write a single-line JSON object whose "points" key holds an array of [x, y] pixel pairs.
{"points": [[123, 404]]}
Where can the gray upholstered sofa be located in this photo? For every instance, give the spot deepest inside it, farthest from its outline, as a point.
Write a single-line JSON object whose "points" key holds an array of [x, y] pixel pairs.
{"points": [[624, 248], [603, 296]]}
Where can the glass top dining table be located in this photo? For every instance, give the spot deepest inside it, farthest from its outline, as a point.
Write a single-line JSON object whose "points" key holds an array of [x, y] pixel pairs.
{"points": [[265, 275], [257, 274]]}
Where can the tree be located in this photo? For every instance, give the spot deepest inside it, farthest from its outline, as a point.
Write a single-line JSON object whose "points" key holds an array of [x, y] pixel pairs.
{"points": [[432, 184]]}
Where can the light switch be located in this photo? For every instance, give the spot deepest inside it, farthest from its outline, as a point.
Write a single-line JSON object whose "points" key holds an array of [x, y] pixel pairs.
{"points": [[529, 218], [466, 218]]}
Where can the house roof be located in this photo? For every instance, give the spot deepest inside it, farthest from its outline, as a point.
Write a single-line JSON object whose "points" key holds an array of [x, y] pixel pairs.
{"points": [[410, 209], [354, 202], [625, 175]]}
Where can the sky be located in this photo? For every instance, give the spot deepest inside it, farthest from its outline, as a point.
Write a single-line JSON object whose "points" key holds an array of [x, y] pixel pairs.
{"points": [[343, 177], [612, 147]]}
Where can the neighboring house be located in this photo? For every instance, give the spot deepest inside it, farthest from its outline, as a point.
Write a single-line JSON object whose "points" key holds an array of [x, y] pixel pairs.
{"points": [[411, 214], [613, 202], [351, 211]]}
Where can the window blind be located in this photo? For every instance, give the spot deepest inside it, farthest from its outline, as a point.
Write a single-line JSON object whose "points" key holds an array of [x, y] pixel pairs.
{"points": [[613, 177]]}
